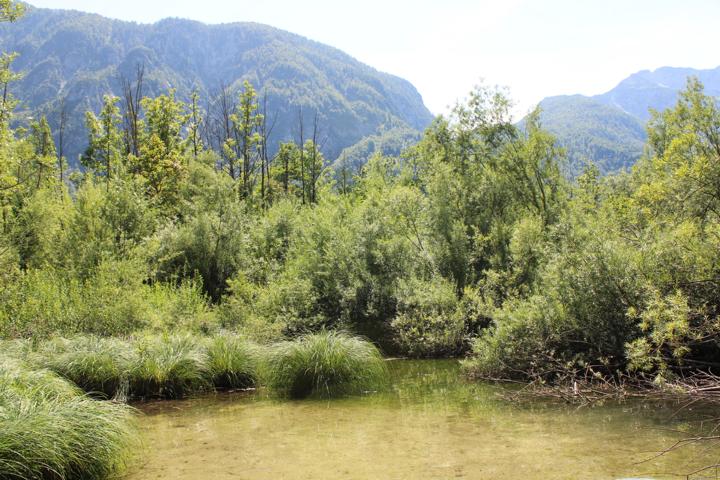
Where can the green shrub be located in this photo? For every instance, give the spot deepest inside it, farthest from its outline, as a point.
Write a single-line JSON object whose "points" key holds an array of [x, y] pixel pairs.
{"points": [[49, 431], [115, 300], [429, 321], [519, 345], [325, 364]]}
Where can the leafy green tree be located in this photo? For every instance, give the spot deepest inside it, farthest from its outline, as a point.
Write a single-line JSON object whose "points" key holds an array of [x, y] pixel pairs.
{"points": [[246, 123], [161, 164], [105, 147], [45, 153]]}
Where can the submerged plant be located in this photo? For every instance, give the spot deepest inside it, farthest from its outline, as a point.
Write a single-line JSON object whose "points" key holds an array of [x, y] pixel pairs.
{"points": [[49, 430], [232, 362], [325, 364]]}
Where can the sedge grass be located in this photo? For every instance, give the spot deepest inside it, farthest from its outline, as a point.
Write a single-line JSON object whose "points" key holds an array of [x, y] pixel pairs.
{"points": [[169, 367], [324, 364], [50, 431], [99, 366], [232, 362]]}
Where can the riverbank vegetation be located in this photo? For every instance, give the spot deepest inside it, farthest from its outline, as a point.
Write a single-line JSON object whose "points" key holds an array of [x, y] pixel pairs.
{"points": [[325, 364], [472, 241], [49, 430]]}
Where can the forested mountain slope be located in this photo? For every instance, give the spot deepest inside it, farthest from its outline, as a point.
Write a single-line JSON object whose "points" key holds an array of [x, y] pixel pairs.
{"points": [[609, 129], [80, 57]]}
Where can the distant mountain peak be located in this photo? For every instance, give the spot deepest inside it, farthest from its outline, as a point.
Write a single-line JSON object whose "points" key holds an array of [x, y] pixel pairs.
{"points": [[609, 129]]}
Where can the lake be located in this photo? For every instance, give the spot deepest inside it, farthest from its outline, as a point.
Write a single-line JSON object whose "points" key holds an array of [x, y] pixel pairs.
{"points": [[430, 424]]}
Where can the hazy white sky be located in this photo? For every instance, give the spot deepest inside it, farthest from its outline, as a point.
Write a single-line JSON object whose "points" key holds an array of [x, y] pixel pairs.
{"points": [[537, 48]]}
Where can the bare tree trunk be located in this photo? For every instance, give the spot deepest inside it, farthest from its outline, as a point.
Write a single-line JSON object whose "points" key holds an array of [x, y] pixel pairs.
{"points": [[265, 132], [302, 154], [62, 124], [227, 106], [132, 96]]}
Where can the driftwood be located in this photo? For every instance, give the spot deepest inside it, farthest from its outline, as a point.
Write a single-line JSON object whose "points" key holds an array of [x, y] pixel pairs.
{"points": [[590, 387]]}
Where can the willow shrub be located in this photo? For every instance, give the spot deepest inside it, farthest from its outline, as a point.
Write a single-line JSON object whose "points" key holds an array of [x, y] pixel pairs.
{"points": [[324, 364]]}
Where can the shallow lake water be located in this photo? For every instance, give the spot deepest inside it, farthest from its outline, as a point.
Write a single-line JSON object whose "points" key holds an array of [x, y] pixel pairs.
{"points": [[431, 424]]}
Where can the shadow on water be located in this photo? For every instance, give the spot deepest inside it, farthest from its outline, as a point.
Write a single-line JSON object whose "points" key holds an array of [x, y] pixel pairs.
{"points": [[430, 424]]}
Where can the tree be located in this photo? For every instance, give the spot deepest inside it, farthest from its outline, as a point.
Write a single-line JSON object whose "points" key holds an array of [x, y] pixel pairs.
{"points": [[224, 106], [132, 97], [265, 131], [286, 166], [531, 165], [11, 10], [246, 123], [196, 119], [313, 169], [44, 146], [105, 141], [8, 102], [160, 162], [62, 125]]}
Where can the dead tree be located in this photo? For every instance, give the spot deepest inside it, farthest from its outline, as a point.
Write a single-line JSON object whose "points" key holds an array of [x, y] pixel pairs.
{"points": [[62, 125], [132, 96]]}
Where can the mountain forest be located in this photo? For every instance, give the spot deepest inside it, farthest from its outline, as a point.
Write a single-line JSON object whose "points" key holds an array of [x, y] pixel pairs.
{"points": [[261, 236]]}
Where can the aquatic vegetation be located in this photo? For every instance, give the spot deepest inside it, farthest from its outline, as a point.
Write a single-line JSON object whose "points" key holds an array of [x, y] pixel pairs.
{"points": [[99, 366], [169, 367], [49, 430], [232, 362], [325, 364]]}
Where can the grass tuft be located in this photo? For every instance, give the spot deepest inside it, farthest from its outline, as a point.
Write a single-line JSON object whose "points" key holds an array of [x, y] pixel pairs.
{"points": [[232, 362], [50, 431], [169, 367], [325, 364], [99, 366]]}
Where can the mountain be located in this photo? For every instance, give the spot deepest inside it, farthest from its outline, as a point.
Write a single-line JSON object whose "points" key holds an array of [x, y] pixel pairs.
{"points": [[592, 131], [80, 57], [656, 89], [609, 129]]}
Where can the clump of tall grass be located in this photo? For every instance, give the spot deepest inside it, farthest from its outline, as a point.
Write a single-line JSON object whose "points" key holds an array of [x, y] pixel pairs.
{"points": [[50, 431], [325, 364], [99, 366], [169, 367], [232, 362]]}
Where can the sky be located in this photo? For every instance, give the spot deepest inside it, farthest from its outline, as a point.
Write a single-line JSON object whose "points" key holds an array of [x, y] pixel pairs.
{"points": [[445, 47]]}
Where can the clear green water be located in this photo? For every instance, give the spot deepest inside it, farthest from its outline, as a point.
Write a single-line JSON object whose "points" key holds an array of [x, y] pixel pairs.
{"points": [[430, 425]]}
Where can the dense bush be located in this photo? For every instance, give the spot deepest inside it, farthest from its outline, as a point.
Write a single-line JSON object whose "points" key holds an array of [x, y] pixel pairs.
{"points": [[429, 322], [114, 300]]}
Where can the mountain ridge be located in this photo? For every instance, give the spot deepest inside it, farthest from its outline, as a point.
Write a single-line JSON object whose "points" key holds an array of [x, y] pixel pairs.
{"points": [[608, 129], [81, 56]]}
